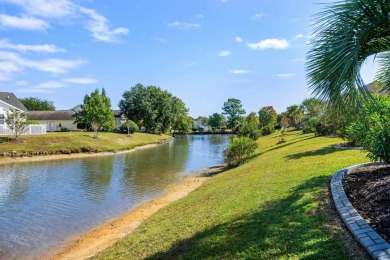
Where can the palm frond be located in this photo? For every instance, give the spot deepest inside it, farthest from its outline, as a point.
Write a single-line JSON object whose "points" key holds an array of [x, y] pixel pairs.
{"points": [[346, 33]]}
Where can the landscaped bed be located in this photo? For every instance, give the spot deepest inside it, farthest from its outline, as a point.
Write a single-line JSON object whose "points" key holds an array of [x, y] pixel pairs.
{"points": [[368, 189]]}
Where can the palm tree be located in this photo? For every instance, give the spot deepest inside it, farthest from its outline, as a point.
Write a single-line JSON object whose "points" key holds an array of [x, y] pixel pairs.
{"points": [[295, 113], [347, 32]]}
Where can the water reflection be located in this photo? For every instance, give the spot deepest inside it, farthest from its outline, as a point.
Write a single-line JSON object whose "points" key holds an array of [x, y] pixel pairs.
{"points": [[44, 203], [96, 177]]}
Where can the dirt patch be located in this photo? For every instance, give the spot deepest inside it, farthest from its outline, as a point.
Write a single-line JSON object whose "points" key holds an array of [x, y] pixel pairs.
{"points": [[104, 236], [368, 189]]}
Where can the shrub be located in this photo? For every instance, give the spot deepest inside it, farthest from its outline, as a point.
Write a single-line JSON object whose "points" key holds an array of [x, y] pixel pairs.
{"points": [[372, 129], [239, 150], [30, 122], [268, 129], [129, 127]]}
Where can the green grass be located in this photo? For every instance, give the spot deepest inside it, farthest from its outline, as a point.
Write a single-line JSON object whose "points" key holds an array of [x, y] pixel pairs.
{"points": [[268, 208], [74, 142]]}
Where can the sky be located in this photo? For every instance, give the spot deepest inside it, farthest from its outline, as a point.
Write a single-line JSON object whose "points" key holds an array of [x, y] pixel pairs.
{"points": [[202, 51]]}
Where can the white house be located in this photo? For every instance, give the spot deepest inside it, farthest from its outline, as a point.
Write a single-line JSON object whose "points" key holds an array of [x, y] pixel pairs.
{"points": [[54, 120], [64, 119], [9, 101]]}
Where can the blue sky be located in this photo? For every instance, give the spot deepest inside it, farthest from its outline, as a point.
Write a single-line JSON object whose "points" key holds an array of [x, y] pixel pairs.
{"points": [[203, 51]]}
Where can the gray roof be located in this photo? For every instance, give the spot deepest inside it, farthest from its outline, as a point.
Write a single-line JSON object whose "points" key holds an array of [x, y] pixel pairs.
{"points": [[12, 100], [51, 115], [117, 113], [376, 87]]}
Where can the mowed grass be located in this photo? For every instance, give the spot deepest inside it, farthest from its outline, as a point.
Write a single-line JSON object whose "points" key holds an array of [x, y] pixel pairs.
{"points": [[73, 142], [268, 208]]}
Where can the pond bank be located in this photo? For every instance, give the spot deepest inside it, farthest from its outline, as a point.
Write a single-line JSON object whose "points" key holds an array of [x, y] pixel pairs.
{"points": [[38, 158], [106, 235]]}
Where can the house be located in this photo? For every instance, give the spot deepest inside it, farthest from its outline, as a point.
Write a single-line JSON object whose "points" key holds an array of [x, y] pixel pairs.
{"points": [[59, 120], [63, 120], [120, 118], [9, 101]]}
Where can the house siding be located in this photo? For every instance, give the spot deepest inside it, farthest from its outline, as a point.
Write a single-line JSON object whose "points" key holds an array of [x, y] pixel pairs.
{"points": [[53, 125]]}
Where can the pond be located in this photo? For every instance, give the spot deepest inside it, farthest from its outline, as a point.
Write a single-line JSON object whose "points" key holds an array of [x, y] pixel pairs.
{"points": [[42, 204]]}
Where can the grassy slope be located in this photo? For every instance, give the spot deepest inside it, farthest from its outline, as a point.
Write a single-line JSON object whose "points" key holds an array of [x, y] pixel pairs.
{"points": [[54, 142], [268, 208]]}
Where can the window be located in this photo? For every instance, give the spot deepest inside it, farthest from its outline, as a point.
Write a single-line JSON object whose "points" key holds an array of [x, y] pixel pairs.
{"points": [[2, 119]]}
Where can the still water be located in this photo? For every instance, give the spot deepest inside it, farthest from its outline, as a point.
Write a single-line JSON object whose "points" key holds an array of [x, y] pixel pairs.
{"points": [[42, 204]]}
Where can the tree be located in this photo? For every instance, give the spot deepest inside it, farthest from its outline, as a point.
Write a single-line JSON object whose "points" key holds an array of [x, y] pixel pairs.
{"points": [[16, 122], [129, 126], [295, 113], [96, 111], [283, 120], [268, 118], [152, 108], [233, 109], [250, 127], [347, 33], [36, 104], [217, 121], [183, 123]]}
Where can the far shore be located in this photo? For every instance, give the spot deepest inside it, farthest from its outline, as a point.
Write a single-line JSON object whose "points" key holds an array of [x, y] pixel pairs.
{"points": [[39, 158], [93, 242]]}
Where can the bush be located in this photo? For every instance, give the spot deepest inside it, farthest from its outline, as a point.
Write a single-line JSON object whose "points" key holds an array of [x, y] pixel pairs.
{"points": [[268, 129], [30, 122], [239, 150], [128, 127], [247, 131], [372, 129], [325, 129]]}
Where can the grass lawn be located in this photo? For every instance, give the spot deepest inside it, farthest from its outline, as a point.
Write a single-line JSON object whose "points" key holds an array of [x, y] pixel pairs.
{"points": [[73, 142], [268, 208]]}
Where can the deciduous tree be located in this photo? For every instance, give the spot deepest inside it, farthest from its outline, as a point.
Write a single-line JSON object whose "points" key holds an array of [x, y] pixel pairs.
{"points": [[233, 109], [36, 104]]}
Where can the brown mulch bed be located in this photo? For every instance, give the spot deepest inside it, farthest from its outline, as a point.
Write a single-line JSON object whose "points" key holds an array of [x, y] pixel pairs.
{"points": [[368, 189]]}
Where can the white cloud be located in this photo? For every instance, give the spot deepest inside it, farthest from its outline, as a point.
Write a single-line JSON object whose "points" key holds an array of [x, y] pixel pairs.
{"points": [[51, 84], [99, 27], [160, 40], [224, 53], [240, 71], [285, 75], [48, 48], [184, 26], [81, 81], [22, 83], [298, 36], [46, 8], [66, 11], [269, 44], [238, 39], [14, 62], [34, 90], [258, 16], [23, 23]]}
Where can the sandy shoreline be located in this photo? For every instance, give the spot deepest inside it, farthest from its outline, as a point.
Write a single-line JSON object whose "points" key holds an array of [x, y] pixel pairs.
{"points": [[106, 235], [38, 158]]}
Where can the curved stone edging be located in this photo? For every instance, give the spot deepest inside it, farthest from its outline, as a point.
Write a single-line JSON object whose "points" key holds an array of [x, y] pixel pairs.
{"points": [[375, 245]]}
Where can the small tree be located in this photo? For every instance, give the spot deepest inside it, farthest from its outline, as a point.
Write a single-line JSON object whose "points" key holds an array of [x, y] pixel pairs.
{"points": [[239, 150], [16, 122], [250, 127], [130, 127], [217, 121], [97, 112], [36, 104], [268, 118], [183, 123]]}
